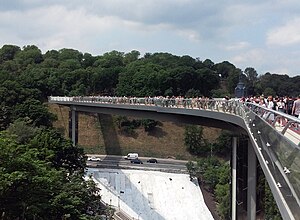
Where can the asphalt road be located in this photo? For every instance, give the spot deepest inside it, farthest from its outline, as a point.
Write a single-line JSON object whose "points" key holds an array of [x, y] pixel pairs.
{"points": [[166, 165]]}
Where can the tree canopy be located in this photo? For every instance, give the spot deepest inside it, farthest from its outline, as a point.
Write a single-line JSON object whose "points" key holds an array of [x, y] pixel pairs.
{"points": [[34, 183]]}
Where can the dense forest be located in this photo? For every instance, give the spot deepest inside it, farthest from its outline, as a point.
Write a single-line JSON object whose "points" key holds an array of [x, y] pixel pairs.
{"points": [[27, 77], [41, 173]]}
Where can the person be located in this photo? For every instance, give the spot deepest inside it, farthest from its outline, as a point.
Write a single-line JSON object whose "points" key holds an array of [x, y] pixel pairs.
{"points": [[281, 105], [281, 108], [296, 107], [262, 102], [270, 105], [289, 105]]}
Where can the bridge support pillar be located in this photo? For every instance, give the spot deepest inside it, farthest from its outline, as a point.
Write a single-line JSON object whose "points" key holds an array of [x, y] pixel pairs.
{"points": [[233, 176], [73, 125], [251, 190]]}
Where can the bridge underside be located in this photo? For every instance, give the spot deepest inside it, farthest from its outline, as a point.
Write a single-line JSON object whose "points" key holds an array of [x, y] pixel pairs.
{"points": [[177, 116]]}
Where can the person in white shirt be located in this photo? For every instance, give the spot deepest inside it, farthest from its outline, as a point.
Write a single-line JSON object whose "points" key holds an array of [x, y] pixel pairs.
{"points": [[270, 105]]}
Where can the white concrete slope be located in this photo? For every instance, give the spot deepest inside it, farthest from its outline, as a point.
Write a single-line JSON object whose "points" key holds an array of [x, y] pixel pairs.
{"points": [[151, 195]]}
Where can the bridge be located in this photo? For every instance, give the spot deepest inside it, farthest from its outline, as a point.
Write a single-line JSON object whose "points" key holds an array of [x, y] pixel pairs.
{"points": [[275, 146]]}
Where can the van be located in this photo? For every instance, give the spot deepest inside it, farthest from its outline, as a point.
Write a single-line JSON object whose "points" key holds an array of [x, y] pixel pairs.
{"points": [[131, 156]]}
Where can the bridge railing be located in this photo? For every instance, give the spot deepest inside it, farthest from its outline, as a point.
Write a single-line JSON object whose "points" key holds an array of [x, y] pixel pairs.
{"points": [[277, 134]]}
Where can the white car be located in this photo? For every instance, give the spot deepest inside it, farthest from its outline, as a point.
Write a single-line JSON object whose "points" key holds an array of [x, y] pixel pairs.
{"points": [[131, 156], [93, 158]]}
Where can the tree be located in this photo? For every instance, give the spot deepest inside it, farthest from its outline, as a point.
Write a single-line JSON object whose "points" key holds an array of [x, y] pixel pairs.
{"points": [[30, 55], [206, 80], [31, 189], [220, 93], [22, 129], [208, 63], [61, 153], [193, 139], [214, 175], [51, 54], [110, 59], [8, 52], [251, 77], [22, 180], [223, 197], [87, 60], [271, 209], [35, 111], [131, 57], [222, 146], [149, 124], [225, 69], [193, 93], [69, 54], [269, 92], [233, 79], [104, 80]]}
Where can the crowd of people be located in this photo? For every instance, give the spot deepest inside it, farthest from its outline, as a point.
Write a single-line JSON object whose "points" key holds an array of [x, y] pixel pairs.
{"points": [[164, 101], [288, 105]]}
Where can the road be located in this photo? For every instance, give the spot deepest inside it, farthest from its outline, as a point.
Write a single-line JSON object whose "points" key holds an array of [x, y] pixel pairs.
{"points": [[111, 161]]}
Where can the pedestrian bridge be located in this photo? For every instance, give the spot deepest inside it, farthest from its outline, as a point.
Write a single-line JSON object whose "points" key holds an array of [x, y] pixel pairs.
{"points": [[273, 137]]}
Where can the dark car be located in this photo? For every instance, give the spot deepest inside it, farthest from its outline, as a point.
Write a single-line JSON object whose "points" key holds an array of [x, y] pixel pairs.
{"points": [[152, 160], [138, 161]]}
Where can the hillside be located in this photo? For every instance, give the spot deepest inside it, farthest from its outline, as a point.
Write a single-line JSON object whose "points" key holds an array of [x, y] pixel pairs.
{"points": [[100, 135]]}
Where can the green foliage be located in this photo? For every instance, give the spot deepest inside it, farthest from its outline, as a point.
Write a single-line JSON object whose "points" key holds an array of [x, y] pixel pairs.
{"points": [[22, 129], [271, 209], [165, 74], [196, 144], [222, 146], [148, 124], [233, 79], [5, 115], [131, 57], [193, 93], [127, 126], [193, 139], [35, 111], [251, 79], [8, 52], [225, 69], [68, 54], [219, 93], [29, 56], [222, 193], [215, 175], [30, 188], [192, 169], [54, 148], [269, 91]]}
